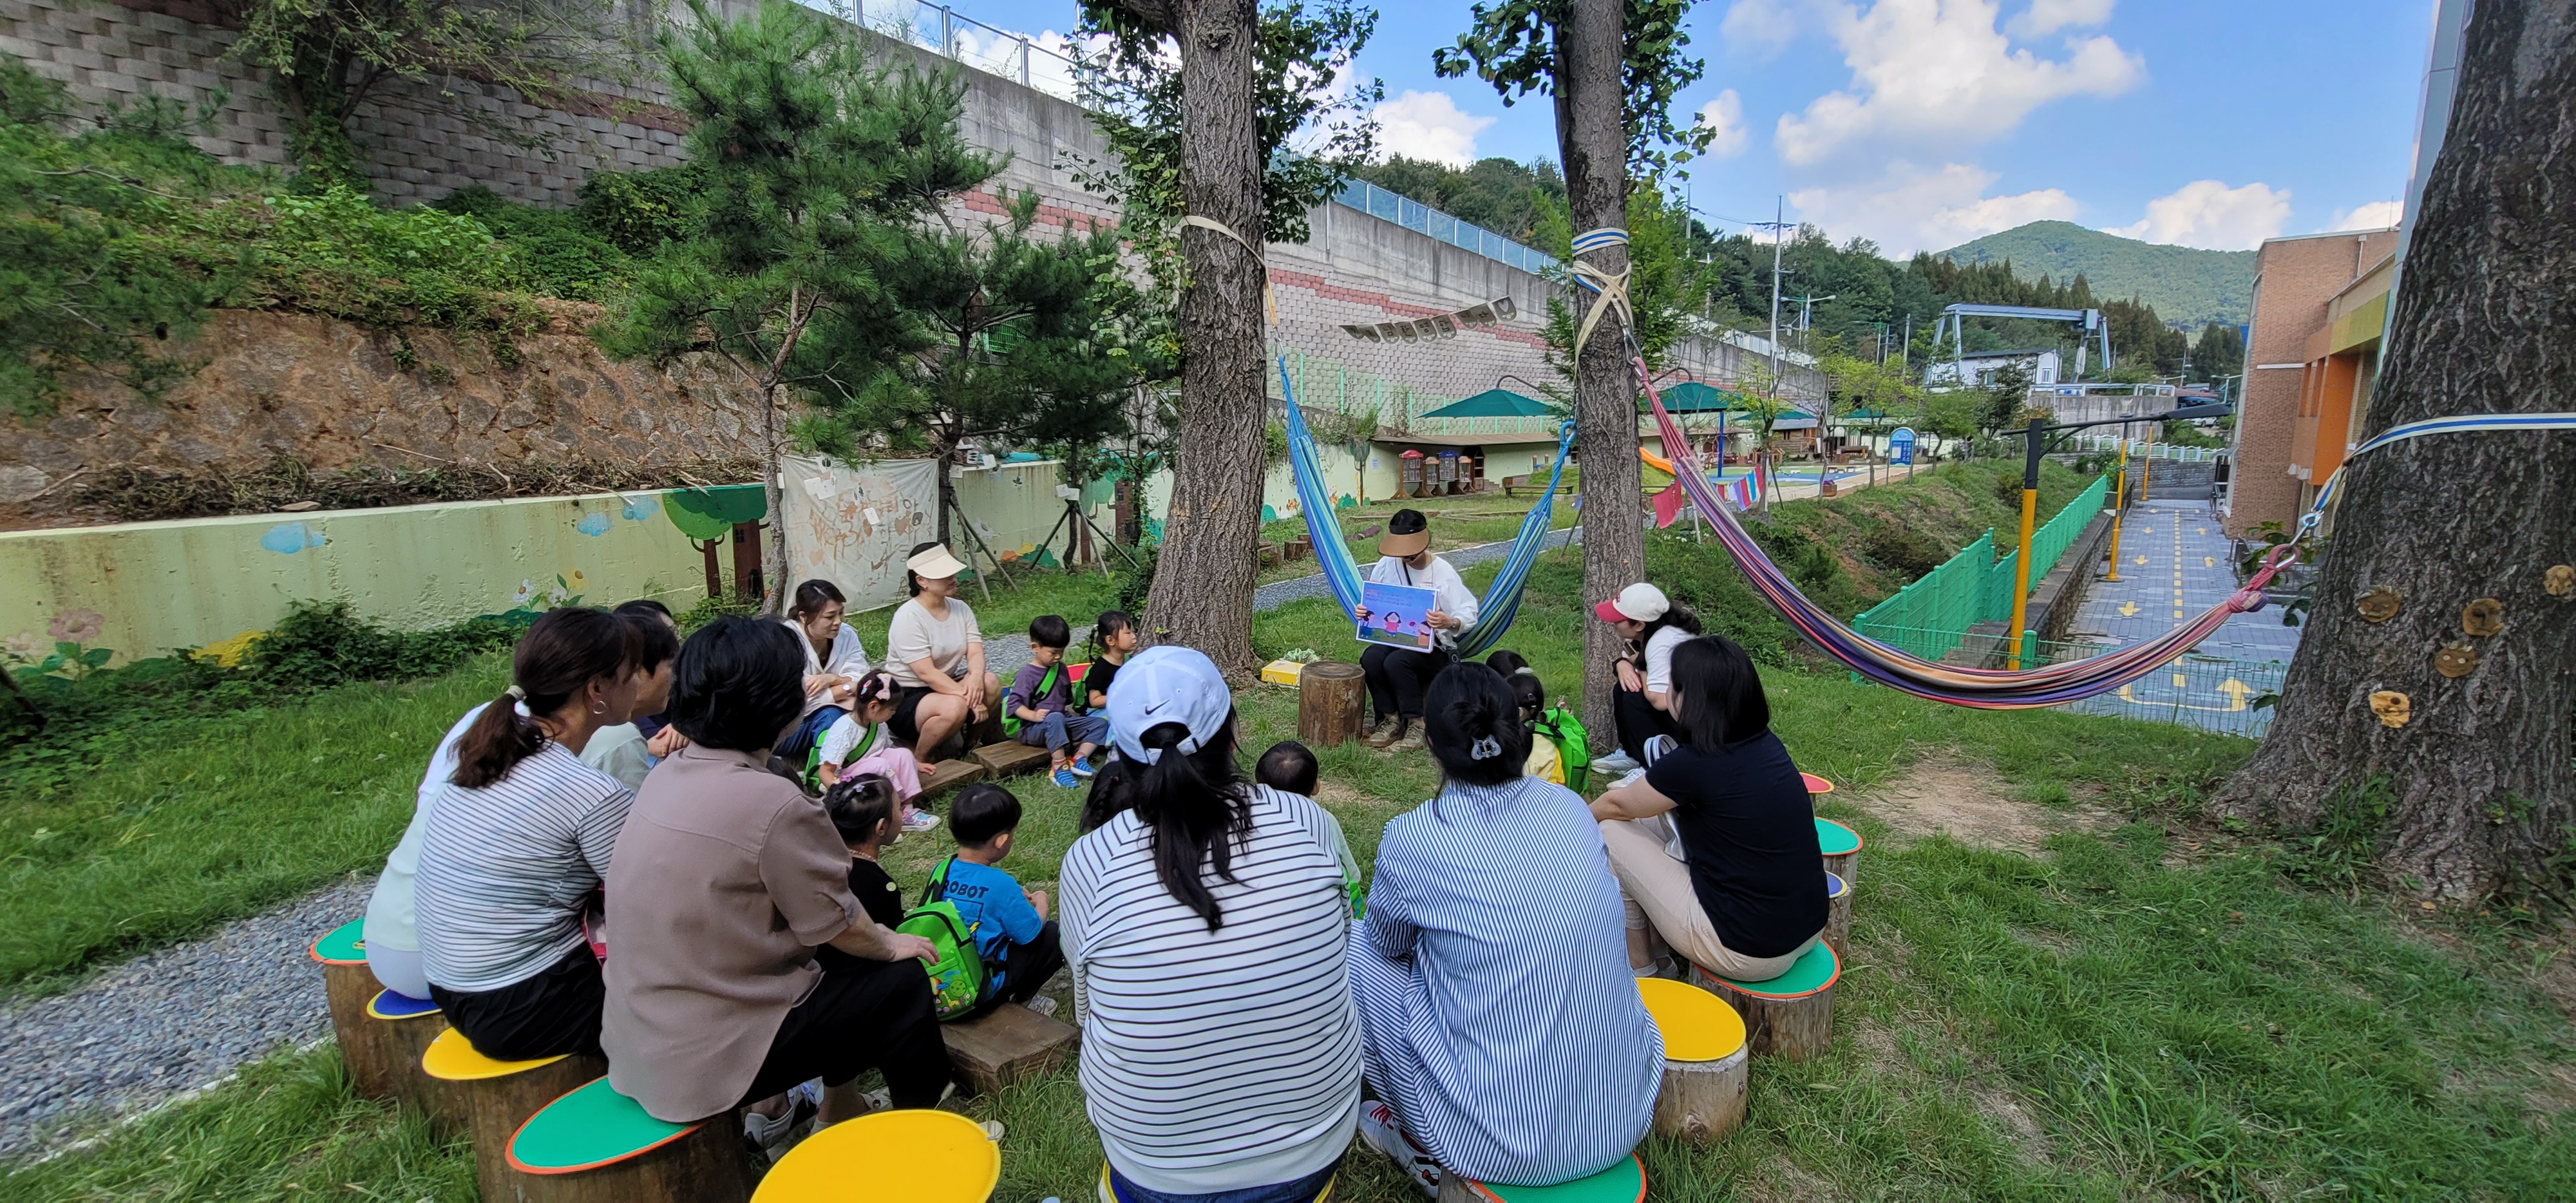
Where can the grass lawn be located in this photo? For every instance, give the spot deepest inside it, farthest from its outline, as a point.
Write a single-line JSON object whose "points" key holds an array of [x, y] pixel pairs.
{"points": [[2124, 1011]]}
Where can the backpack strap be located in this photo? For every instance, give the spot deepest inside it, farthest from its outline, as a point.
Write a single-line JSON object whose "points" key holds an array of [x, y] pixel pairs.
{"points": [[937, 890]]}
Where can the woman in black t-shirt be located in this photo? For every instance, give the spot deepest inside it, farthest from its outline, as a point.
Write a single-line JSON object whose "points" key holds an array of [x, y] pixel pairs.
{"points": [[1750, 898]]}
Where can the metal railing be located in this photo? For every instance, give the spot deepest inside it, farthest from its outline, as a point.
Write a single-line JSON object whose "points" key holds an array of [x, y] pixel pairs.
{"points": [[1414, 215], [2141, 448], [1930, 617]]}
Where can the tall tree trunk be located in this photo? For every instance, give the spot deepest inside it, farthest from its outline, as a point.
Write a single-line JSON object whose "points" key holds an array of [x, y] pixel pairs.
{"points": [[1202, 594], [2478, 783], [1593, 144], [773, 558]]}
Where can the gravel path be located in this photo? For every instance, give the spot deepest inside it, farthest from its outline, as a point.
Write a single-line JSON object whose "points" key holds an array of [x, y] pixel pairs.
{"points": [[182, 1017], [168, 1021]]}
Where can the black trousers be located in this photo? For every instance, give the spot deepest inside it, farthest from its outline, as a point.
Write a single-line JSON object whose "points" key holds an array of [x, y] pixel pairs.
{"points": [[1397, 677], [1639, 721], [550, 1015], [863, 1015], [1026, 967]]}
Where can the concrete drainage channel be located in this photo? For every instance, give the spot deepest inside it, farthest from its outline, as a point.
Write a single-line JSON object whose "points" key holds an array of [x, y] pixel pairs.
{"points": [[177, 1021]]}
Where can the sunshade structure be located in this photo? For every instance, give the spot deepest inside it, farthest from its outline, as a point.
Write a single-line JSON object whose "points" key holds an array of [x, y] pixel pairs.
{"points": [[1494, 403], [1692, 397]]}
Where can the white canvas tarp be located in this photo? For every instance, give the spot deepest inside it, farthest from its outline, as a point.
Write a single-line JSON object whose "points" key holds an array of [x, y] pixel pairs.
{"points": [[854, 524]]}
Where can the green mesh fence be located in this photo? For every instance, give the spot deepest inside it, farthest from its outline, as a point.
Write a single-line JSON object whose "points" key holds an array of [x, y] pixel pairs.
{"points": [[1929, 617]]}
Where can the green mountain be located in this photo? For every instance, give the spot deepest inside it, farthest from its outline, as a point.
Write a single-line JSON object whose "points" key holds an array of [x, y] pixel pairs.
{"points": [[2188, 287]]}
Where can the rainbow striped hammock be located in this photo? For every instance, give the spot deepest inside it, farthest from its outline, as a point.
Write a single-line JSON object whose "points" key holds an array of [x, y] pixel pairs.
{"points": [[1986, 689], [1502, 600]]}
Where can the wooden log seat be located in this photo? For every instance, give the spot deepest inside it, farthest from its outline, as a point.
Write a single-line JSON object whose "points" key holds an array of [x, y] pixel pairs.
{"points": [[595, 1145], [1792, 1015], [488, 1100], [889, 1157], [1623, 1182], [1707, 1066]]}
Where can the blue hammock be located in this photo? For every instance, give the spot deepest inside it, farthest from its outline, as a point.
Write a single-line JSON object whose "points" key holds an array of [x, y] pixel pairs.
{"points": [[1502, 600]]}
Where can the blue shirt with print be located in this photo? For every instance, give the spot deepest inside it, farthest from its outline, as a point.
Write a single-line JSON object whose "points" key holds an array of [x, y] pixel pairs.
{"points": [[993, 906]]}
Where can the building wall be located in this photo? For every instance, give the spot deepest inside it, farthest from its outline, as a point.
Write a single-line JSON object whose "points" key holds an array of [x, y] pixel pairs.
{"points": [[2294, 278]]}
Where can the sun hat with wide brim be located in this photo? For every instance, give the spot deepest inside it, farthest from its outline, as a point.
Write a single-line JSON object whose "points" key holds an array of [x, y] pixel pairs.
{"points": [[1407, 533], [935, 564]]}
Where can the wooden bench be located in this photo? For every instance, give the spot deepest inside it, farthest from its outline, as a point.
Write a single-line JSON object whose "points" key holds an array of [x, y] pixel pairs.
{"points": [[1005, 1045], [1010, 759], [1532, 480], [943, 775], [1790, 1016]]}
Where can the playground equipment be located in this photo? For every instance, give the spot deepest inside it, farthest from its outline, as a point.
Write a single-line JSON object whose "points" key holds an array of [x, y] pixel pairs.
{"points": [[1953, 326]]}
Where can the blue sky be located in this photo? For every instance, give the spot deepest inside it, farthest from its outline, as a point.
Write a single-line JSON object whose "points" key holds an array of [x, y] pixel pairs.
{"points": [[1924, 123]]}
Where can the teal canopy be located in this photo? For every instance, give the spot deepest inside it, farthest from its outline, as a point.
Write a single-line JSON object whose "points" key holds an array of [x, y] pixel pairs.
{"points": [[1494, 403], [1692, 397]]}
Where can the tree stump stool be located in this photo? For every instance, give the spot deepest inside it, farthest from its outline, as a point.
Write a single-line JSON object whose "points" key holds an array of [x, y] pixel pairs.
{"points": [[1707, 1067], [940, 776], [1838, 902], [1007, 1044], [489, 1099], [1623, 1182], [398, 1030], [1841, 846], [1011, 757], [1817, 787], [1329, 697], [595, 1145], [889, 1157], [347, 986], [1792, 1015]]}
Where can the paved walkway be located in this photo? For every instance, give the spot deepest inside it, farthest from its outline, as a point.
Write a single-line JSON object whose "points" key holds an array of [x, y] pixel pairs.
{"points": [[2174, 564]]}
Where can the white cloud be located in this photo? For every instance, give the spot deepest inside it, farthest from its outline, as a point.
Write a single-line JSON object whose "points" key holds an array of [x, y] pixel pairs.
{"points": [[1428, 125], [1764, 27], [2376, 215], [1937, 73], [1909, 208], [1724, 114], [2048, 16], [2212, 216]]}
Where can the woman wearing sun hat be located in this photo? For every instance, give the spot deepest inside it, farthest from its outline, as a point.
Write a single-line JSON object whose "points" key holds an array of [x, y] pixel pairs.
{"points": [[935, 652], [1653, 626], [1397, 676], [1206, 930]]}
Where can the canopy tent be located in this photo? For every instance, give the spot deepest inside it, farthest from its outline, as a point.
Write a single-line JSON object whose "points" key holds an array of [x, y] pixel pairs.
{"points": [[1494, 403], [1692, 397]]}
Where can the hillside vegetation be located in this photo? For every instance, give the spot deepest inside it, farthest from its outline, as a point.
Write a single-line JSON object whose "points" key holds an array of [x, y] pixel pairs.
{"points": [[2184, 284]]}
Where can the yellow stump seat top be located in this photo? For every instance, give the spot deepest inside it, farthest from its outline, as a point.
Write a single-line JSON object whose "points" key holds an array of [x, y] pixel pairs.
{"points": [[1697, 1025], [908, 1156], [453, 1058]]}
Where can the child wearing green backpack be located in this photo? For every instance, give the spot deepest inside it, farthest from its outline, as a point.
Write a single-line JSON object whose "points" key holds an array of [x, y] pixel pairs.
{"points": [[1558, 751], [995, 940], [1039, 708]]}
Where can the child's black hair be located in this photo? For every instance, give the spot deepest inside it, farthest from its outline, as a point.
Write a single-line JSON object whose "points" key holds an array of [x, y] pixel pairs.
{"points": [[1110, 623], [1522, 680], [1049, 630], [1112, 791], [859, 806], [1288, 766], [982, 810]]}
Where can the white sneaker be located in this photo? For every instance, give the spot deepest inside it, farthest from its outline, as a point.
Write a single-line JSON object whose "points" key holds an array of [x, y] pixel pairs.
{"points": [[920, 820], [771, 1132], [1634, 776], [1379, 1129], [1616, 762], [1043, 1004]]}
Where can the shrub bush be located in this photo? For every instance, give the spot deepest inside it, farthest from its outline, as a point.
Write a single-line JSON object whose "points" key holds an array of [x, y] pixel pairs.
{"points": [[638, 211]]}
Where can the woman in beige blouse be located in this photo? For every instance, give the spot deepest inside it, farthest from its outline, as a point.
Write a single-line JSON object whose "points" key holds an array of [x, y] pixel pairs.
{"points": [[935, 652], [744, 965]]}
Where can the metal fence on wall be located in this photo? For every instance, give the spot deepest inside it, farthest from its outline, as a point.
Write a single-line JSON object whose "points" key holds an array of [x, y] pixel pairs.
{"points": [[2211, 693], [1929, 617], [1414, 215]]}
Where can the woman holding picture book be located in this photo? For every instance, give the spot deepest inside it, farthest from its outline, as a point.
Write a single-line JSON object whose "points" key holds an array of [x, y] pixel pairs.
{"points": [[1397, 676]]}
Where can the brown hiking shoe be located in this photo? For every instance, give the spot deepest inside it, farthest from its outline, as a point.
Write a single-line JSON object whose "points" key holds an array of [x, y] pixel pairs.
{"points": [[1387, 728], [1412, 741]]}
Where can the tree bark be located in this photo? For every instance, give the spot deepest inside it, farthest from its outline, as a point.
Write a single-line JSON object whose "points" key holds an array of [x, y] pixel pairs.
{"points": [[2477, 782], [773, 558], [1203, 582], [1593, 143]]}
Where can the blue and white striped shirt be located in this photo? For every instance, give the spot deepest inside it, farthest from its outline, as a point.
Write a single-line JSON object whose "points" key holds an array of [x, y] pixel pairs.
{"points": [[1492, 971]]}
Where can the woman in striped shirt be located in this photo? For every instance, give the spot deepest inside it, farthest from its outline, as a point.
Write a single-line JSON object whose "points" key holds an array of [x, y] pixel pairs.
{"points": [[1505, 1035], [515, 843], [1205, 929]]}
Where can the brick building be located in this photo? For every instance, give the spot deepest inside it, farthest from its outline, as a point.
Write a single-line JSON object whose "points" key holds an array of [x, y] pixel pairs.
{"points": [[2310, 360]]}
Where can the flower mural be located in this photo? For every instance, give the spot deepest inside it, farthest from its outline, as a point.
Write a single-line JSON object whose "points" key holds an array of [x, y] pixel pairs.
{"points": [[77, 625], [22, 646]]}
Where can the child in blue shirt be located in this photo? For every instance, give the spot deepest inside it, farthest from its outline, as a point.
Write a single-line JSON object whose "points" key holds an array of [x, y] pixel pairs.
{"points": [[1009, 925]]}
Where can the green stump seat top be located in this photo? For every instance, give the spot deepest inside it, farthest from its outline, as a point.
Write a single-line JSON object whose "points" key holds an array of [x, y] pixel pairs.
{"points": [[344, 945], [1813, 973], [1836, 839], [1623, 1182], [586, 1129], [1835, 886]]}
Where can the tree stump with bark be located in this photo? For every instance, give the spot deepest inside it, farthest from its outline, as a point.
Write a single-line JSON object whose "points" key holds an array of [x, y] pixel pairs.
{"points": [[347, 987], [489, 1100], [1623, 1182], [1707, 1063], [1790, 1016], [1841, 846], [398, 1029], [1838, 905], [1329, 697], [594, 1145]]}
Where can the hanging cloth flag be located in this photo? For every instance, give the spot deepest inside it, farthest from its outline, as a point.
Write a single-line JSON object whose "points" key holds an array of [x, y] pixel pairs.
{"points": [[1740, 491], [1669, 503]]}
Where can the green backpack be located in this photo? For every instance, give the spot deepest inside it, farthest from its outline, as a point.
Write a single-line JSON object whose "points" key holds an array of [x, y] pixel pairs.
{"points": [[1046, 685], [1573, 747], [959, 980]]}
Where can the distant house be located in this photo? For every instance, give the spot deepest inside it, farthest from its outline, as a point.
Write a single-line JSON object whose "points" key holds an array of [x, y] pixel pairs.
{"points": [[1977, 369]]}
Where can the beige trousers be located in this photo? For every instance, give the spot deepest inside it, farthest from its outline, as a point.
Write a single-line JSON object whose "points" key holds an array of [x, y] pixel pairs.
{"points": [[1658, 891]]}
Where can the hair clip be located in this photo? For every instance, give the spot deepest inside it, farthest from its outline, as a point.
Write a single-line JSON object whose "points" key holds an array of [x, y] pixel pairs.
{"points": [[516, 694], [1525, 671], [1486, 747]]}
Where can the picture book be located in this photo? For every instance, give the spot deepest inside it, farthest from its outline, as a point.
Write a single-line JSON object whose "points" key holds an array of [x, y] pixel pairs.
{"points": [[1395, 614]]}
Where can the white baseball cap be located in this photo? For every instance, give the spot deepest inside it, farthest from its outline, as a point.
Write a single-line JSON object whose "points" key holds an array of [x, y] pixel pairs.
{"points": [[1168, 684], [1639, 602]]}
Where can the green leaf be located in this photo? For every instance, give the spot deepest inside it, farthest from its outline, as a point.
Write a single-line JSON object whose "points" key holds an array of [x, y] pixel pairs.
{"points": [[97, 657]]}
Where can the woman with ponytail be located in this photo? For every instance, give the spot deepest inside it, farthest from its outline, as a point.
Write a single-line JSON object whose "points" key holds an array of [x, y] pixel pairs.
{"points": [[517, 839], [1505, 1039], [1204, 924]]}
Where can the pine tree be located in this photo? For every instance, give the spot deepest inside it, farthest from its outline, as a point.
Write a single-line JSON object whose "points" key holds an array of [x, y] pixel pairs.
{"points": [[814, 162]]}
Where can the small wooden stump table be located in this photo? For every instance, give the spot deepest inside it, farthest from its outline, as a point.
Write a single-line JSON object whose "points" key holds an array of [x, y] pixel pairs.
{"points": [[1329, 696]]}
